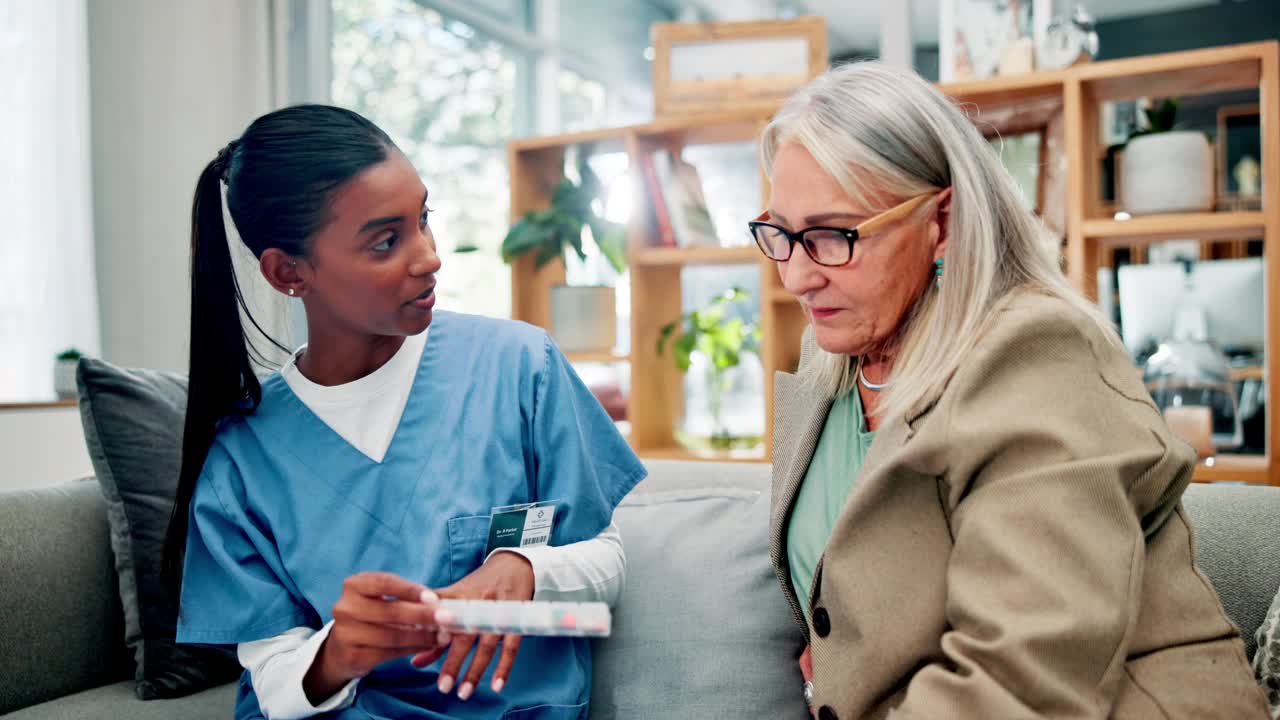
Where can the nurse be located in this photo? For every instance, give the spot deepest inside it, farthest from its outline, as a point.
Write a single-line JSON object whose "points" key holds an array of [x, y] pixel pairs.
{"points": [[322, 511]]}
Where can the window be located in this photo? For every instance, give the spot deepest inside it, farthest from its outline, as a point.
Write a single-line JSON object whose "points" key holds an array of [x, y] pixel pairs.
{"points": [[582, 102], [453, 82], [48, 294], [446, 95]]}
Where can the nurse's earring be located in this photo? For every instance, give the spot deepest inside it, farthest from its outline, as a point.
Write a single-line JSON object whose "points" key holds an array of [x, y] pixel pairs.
{"points": [[292, 292]]}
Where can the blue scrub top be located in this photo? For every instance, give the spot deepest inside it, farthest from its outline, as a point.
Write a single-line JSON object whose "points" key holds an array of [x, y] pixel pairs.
{"points": [[285, 509]]}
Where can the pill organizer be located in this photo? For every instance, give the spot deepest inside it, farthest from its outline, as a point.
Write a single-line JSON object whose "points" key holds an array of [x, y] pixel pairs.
{"points": [[563, 619]]}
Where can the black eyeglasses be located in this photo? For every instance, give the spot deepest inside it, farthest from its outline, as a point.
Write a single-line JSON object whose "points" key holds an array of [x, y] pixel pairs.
{"points": [[829, 246]]}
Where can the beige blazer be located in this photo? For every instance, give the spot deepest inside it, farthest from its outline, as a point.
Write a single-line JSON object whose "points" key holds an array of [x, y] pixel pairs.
{"points": [[1015, 547]]}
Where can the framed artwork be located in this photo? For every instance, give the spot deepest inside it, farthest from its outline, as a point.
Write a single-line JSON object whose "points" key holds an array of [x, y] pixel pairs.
{"points": [[1024, 155], [708, 67], [1239, 150], [978, 38]]}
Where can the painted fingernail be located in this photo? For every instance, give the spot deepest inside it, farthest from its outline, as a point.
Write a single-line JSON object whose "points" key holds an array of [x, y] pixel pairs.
{"points": [[464, 692], [429, 597], [498, 684], [445, 684], [444, 617], [443, 637]]}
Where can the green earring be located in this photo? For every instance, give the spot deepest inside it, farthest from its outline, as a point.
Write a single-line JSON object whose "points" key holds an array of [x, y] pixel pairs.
{"points": [[937, 273]]}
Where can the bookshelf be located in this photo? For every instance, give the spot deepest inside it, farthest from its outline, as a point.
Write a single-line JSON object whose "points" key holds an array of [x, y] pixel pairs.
{"points": [[1092, 232]]}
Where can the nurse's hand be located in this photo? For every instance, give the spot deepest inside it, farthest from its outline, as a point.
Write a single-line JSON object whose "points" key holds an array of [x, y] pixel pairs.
{"points": [[504, 576], [378, 617]]}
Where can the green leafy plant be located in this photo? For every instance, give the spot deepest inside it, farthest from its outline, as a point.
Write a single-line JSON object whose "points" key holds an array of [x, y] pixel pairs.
{"points": [[70, 354], [550, 233], [1160, 118], [718, 337]]}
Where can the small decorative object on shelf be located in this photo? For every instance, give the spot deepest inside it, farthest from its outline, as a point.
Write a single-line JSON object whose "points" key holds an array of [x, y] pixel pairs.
{"points": [[583, 318], [64, 373], [715, 345], [1068, 41], [1239, 146], [979, 39], [1164, 169]]}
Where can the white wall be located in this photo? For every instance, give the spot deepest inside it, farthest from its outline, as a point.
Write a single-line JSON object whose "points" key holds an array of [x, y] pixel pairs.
{"points": [[41, 447], [172, 81]]}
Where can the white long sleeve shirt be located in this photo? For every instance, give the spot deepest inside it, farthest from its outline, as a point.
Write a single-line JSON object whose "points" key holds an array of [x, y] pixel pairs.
{"points": [[366, 413]]}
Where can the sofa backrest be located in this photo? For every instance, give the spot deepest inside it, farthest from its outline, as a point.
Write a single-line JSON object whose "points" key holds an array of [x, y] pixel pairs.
{"points": [[61, 624], [701, 623], [1237, 539]]}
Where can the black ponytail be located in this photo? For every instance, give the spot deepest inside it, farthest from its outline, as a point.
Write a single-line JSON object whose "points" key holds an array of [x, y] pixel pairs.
{"points": [[280, 175]]}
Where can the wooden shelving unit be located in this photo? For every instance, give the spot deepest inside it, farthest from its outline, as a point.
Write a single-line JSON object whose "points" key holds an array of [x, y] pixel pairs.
{"points": [[680, 257], [536, 164], [656, 400], [1153, 228], [597, 357]]}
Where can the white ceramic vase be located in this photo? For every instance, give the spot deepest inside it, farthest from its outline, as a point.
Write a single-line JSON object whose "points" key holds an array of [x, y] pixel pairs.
{"points": [[1167, 172], [64, 378], [584, 318]]}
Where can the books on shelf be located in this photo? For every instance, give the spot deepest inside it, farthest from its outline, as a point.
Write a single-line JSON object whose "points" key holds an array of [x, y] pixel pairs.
{"points": [[666, 236], [679, 204]]}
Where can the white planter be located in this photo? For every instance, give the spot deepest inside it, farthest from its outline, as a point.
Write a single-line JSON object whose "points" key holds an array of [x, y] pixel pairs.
{"points": [[64, 378], [1167, 172], [584, 319]]}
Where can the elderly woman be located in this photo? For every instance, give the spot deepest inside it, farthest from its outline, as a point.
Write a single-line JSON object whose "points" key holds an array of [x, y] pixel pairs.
{"points": [[976, 504]]}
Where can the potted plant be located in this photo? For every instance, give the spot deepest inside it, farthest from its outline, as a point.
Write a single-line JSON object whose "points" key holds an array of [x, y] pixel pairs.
{"points": [[64, 373], [1165, 169], [714, 342], [583, 317]]}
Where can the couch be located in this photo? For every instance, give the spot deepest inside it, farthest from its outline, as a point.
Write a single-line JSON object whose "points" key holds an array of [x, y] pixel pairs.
{"points": [[701, 630]]}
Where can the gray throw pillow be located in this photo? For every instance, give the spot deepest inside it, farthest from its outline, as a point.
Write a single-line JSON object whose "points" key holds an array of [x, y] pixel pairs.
{"points": [[702, 629], [133, 427], [1266, 660]]}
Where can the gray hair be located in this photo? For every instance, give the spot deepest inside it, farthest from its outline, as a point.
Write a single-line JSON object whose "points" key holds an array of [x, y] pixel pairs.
{"points": [[879, 130]]}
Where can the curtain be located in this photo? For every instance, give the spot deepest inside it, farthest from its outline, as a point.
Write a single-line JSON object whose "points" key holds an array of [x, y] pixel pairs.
{"points": [[48, 292]]}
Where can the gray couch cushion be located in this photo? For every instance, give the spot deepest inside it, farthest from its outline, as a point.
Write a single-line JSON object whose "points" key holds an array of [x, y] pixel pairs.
{"points": [[1237, 535], [699, 475], [58, 605], [702, 629], [133, 428], [118, 701]]}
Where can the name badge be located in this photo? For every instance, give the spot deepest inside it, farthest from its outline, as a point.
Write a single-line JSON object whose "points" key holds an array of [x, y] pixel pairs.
{"points": [[519, 526]]}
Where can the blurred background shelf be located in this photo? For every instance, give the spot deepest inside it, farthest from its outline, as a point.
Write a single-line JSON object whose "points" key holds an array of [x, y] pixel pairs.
{"points": [[597, 357], [658, 257], [1077, 93], [1235, 468], [1173, 226]]}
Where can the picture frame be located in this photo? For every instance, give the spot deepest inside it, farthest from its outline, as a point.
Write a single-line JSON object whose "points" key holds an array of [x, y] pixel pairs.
{"points": [[713, 67], [974, 36], [1030, 175], [1239, 139], [1118, 120]]}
